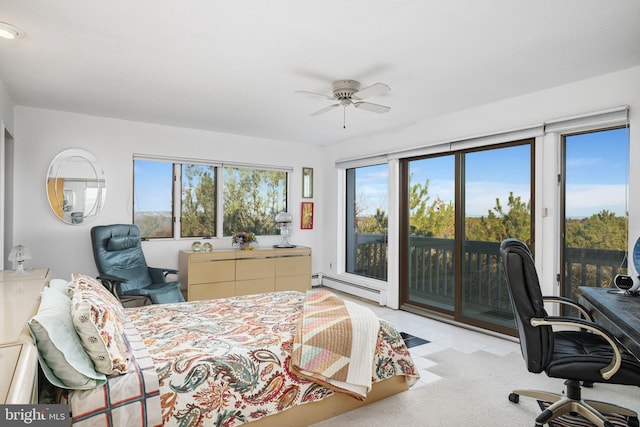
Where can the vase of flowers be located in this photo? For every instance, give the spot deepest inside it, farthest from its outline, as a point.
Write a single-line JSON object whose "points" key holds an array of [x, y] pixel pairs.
{"points": [[244, 239]]}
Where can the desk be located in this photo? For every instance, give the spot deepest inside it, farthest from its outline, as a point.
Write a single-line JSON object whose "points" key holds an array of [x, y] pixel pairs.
{"points": [[618, 313]]}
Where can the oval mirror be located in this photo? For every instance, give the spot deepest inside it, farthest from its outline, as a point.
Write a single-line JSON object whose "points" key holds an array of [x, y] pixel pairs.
{"points": [[76, 186]]}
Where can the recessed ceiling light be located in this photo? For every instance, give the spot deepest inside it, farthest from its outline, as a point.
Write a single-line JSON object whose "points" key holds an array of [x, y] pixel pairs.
{"points": [[8, 31]]}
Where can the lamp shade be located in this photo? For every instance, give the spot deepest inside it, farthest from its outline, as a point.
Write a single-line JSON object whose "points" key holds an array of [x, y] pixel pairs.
{"points": [[284, 217], [284, 220], [18, 255]]}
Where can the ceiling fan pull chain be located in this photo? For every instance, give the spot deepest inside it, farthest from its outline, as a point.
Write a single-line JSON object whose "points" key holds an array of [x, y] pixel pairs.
{"points": [[344, 117]]}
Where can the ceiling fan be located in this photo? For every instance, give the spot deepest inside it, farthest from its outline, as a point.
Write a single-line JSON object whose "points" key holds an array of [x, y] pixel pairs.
{"points": [[348, 92]]}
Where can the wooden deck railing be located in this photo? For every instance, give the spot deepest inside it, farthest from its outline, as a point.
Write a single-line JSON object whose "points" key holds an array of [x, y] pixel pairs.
{"points": [[431, 269]]}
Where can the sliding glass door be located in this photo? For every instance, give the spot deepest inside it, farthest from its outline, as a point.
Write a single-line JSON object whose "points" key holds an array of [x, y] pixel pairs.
{"points": [[431, 231], [496, 195], [456, 209]]}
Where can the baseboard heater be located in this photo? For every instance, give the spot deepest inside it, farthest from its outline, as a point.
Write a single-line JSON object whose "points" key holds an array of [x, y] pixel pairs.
{"points": [[353, 288], [316, 280]]}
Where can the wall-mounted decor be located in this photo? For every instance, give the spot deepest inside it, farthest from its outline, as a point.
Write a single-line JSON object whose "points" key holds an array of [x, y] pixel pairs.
{"points": [[307, 183], [76, 186], [306, 217]]}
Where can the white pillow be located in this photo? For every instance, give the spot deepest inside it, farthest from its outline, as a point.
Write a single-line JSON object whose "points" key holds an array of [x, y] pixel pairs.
{"points": [[60, 352]]}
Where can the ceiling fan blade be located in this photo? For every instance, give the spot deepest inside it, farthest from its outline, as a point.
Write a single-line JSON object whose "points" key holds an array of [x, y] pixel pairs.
{"points": [[373, 90], [376, 108], [314, 93], [325, 109]]}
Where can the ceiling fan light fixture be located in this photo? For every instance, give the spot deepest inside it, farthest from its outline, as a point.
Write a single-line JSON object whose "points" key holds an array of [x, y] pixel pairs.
{"points": [[343, 90], [10, 32]]}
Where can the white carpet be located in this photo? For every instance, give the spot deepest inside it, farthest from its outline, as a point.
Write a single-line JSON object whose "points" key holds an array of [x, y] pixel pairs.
{"points": [[473, 391]]}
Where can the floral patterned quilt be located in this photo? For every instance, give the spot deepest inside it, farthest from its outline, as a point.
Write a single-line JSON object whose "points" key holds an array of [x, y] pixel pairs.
{"points": [[226, 362]]}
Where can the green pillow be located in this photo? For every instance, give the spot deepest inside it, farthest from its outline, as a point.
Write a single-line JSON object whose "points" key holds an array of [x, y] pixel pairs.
{"points": [[59, 285], [60, 352]]}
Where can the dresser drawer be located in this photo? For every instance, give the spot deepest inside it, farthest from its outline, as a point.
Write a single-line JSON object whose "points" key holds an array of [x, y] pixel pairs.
{"points": [[259, 268], [18, 384], [255, 286], [207, 291], [212, 271], [293, 266], [301, 283]]}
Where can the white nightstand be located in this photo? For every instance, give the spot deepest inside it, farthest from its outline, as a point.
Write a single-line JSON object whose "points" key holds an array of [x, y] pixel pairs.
{"points": [[19, 301]]}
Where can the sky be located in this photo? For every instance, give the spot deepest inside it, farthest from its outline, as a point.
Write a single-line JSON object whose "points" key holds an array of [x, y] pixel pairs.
{"points": [[596, 174], [155, 178], [596, 177]]}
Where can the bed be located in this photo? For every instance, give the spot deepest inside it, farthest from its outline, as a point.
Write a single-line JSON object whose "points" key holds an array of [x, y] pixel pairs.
{"points": [[226, 362]]}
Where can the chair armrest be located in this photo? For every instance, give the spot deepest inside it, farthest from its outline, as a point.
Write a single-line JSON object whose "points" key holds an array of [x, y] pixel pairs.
{"points": [[609, 370], [111, 283], [571, 303], [160, 274]]}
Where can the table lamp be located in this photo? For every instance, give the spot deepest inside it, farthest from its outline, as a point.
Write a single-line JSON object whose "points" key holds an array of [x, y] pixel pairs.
{"points": [[284, 220], [18, 255]]}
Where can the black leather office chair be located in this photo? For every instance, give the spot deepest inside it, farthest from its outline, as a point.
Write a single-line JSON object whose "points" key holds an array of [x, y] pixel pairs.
{"points": [[589, 354], [123, 269]]}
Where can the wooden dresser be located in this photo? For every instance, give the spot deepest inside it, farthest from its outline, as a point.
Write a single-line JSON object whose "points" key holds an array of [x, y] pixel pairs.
{"points": [[231, 272], [19, 301]]}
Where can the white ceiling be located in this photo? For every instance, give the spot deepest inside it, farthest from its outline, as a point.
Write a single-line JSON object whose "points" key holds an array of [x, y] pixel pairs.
{"points": [[233, 65]]}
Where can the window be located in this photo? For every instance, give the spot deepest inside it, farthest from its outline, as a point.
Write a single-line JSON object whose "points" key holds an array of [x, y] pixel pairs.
{"points": [[198, 201], [168, 195], [252, 199], [367, 221], [595, 221], [153, 198]]}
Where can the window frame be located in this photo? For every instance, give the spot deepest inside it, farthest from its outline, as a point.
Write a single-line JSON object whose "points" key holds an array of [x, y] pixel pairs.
{"points": [[348, 224], [176, 187]]}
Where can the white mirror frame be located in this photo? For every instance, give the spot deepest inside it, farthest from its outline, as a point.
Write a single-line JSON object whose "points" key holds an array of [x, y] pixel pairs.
{"points": [[76, 186]]}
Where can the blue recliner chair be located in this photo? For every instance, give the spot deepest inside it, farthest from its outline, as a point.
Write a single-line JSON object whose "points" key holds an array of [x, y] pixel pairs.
{"points": [[123, 269]]}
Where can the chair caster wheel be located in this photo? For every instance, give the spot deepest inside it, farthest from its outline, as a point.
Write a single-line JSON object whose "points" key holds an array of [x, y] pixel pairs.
{"points": [[514, 397]]}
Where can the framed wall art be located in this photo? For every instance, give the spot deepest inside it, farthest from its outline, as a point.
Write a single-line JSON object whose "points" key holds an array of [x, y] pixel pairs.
{"points": [[306, 216], [307, 183]]}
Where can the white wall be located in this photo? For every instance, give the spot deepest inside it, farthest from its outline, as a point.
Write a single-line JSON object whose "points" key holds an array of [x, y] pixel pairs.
{"points": [[6, 108], [608, 91], [41, 134], [6, 171]]}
